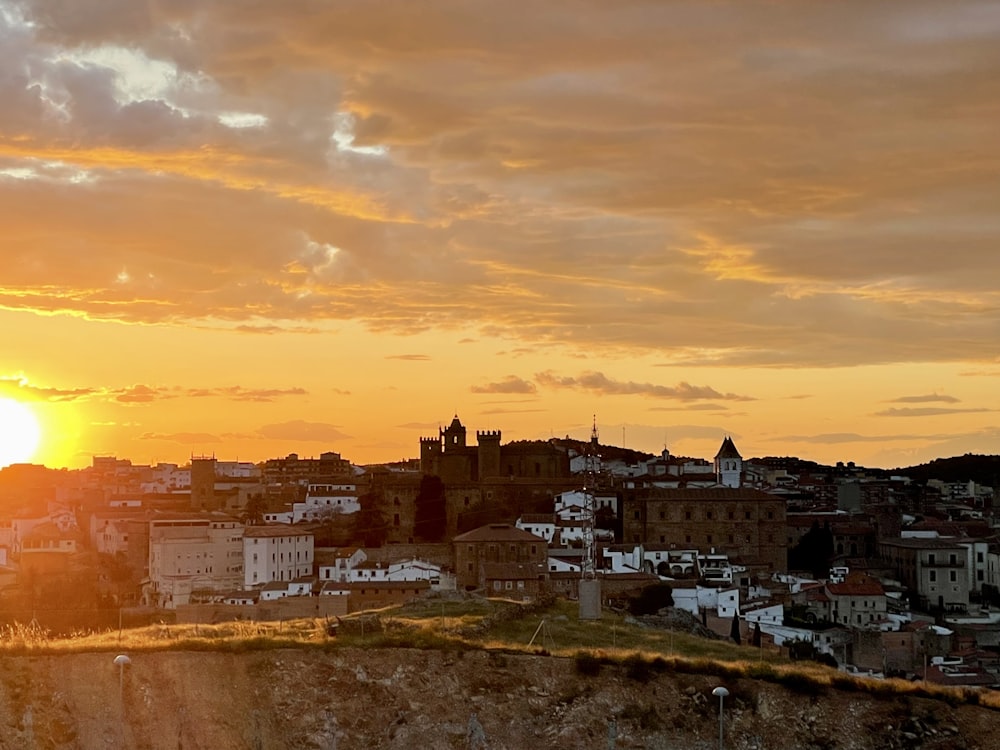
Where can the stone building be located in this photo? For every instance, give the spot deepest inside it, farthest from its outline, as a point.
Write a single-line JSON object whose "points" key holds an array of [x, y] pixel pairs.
{"points": [[746, 524], [450, 457], [500, 553]]}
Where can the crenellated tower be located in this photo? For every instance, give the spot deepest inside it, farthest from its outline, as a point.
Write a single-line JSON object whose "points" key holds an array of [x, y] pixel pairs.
{"points": [[489, 453]]}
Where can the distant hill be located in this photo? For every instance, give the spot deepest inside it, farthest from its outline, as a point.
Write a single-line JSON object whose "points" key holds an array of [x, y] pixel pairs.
{"points": [[608, 452], [980, 469]]}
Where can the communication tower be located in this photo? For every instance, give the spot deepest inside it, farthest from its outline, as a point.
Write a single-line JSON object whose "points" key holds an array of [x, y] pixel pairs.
{"points": [[590, 586]]}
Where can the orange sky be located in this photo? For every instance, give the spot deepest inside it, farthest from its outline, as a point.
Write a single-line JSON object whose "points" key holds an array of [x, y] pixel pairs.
{"points": [[255, 228]]}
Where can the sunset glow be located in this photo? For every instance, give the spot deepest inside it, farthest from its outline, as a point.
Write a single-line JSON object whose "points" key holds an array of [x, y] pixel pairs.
{"points": [[309, 227], [19, 433]]}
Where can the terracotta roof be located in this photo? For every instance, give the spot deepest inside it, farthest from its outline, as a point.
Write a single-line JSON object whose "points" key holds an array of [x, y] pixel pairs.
{"points": [[859, 588], [275, 531], [498, 532]]}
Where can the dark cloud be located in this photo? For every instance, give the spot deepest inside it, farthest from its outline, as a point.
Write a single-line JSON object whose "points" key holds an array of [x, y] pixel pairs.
{"points": [[929, 398], [509, 384], [928, 411], [300, 430], [597, 382], [20, 389], [142, 394], [184, 438]]}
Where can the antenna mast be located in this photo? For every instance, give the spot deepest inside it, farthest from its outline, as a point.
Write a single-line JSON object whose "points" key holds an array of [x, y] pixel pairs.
{"points": [[588, 566]]}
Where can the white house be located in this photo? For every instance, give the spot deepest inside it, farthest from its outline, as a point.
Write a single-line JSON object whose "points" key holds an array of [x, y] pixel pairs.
{"points": [[346, 559], [539, 524], [276, 553]]}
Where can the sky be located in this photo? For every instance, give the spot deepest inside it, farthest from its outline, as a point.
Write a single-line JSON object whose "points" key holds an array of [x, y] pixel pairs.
{"points": [[249, 229]]}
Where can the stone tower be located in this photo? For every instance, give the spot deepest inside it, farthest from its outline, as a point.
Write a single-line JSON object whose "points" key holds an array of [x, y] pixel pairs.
{"points": [[489, 453], [203, 483]]}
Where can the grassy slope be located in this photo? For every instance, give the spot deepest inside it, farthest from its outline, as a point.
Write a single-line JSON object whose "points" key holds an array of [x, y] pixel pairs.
{"points": [[495, 625]]}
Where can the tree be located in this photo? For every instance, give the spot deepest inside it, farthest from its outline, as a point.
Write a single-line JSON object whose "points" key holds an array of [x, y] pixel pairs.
{"points": [[253, 511], [813, 552], [430, 516], [371, 528], [652, 599]]}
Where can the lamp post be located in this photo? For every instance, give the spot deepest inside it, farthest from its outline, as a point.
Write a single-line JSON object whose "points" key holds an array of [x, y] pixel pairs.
{"points": [[722, 693], [121, 661]]}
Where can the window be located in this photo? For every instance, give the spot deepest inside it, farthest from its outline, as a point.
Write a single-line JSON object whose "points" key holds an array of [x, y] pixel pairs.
{"points": [[932, 576], [730, 515], [951, 559], [635, 515], [663, 515], [687, 539], [953, 576], [770, 515], [708, 538], [746, 515], [687, 515], [930, 559], [508, 585], [708, 515]]}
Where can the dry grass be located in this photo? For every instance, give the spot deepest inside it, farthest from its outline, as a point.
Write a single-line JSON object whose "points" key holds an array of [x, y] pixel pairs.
{"points": [[498, 626]]}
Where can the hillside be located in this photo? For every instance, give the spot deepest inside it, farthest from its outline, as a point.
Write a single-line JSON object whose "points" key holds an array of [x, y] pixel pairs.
{"points": [[983, 470], [348, 698]]}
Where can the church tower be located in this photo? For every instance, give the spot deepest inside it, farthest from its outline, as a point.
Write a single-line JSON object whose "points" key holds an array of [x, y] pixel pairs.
{"points": [[453, 436], [729, 465]]}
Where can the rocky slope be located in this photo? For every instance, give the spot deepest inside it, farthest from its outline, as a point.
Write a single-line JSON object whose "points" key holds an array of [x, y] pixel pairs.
{"points": [[437, 700]]}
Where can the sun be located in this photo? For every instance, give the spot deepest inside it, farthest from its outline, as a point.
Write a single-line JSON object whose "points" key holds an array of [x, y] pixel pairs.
{"points": [[20, 432]]}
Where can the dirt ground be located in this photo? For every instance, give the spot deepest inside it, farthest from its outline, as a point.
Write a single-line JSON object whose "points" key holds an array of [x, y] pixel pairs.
{"points": [[436, 700]]}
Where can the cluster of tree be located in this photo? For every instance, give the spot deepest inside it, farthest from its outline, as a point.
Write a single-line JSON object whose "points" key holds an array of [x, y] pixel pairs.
{"points": [[813, 552]]}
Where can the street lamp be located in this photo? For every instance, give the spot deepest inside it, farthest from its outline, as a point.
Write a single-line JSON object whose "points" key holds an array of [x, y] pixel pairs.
{"points": [[722, 693], [121, 661]]}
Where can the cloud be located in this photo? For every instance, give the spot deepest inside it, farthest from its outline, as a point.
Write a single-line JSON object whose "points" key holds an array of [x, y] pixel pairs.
{"points": [[141, 394], [410, 357], [513, 411], [20, 389], [925, 399], [300, 430], [238, 393], [690, 407], [509, 384], [536, 172], [597, 382], [419, 426], [929, 411], [835, 438], [184, 438]]}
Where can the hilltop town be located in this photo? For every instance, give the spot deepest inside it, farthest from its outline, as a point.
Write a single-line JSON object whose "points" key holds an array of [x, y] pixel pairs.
{"points": [[878, 573]]}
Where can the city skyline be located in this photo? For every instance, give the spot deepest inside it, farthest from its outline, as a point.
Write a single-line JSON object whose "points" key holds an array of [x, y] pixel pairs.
{"points": [[301, 228]]}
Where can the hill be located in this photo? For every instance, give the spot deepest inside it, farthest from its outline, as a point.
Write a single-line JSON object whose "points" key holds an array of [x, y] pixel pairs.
{"points": [[447, 675], [983, 470]]}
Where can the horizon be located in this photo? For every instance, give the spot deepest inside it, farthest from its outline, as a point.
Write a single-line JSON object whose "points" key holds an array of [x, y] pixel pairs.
{"points": [[331, 227]]}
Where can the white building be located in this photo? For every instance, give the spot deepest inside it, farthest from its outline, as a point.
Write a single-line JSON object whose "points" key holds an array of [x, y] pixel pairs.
{"points": [[276, 553], [190, 554]]}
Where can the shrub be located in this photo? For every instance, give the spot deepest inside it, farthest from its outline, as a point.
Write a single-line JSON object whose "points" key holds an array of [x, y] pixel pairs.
{"points": [[652, 599], [637, 668], [587, 664]]}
